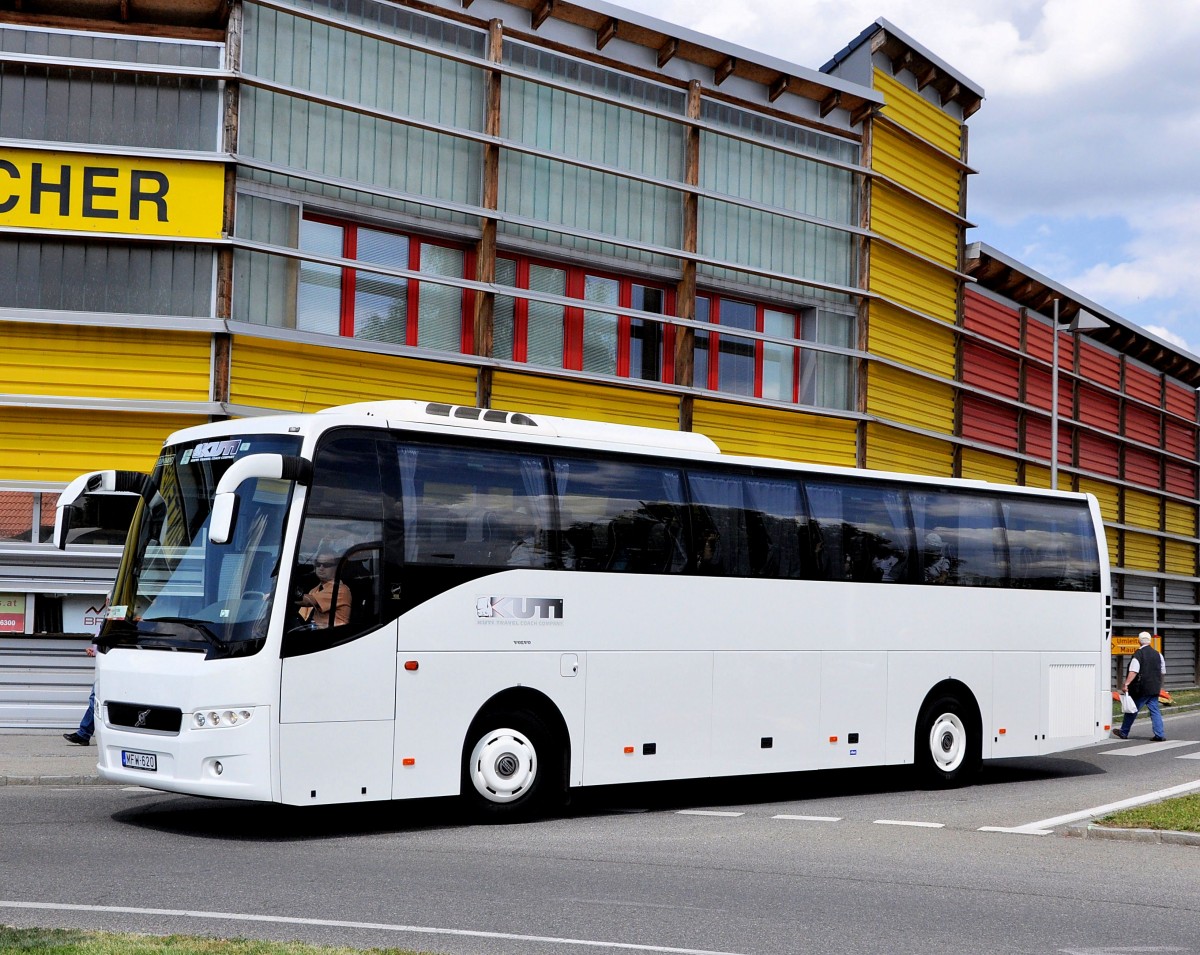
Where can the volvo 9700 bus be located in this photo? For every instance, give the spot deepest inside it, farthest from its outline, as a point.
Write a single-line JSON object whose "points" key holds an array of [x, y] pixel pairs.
{"points": [[398, 599]]}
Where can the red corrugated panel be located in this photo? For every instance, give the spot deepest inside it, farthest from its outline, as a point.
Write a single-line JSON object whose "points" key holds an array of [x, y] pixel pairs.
{"points": [[989, 422], [1181, 438], [1037, 390], [1141, 424], [1181, 400], [1099, 366], [1039, 344], [1037, 439], [1181, 479], [1097, 454], [1099, 408], [1141, 467], [1143, 384], [989, 369], [987, 317]]}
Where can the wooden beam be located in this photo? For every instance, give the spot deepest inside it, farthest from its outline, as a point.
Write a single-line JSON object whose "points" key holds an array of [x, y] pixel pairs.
{"points": [[539, 13], [608, 30], [779, 87], [861, 112], [830, 103], [902, 62], [724, 70], [950, 93], [926, 75], [666, 52]]}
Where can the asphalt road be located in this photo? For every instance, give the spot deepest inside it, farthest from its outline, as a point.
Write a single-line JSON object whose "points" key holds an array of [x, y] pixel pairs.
{"points": [[855, 862]]}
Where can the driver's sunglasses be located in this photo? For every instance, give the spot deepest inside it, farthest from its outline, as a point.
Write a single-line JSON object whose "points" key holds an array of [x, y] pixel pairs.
{"points": [[325, 563]]}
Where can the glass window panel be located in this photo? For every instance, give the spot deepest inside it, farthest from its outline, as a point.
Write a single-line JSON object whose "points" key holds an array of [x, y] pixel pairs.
{"points": [[960, 537], [646, 338], [735, 371], [319, 296], [827, 380], [600, 328], [1052, 546], [778, 360], [440, 307], [381, 301], [544, 342], [621, 516], [863, 531], [700, 358], [504, 311]]}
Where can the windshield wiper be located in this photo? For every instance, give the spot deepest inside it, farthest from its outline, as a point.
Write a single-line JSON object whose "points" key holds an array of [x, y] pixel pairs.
{"points": [[188, 624]]}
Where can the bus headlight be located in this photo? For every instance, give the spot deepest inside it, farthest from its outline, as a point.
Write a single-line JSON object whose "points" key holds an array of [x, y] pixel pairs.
{"points": [[202, 719]]}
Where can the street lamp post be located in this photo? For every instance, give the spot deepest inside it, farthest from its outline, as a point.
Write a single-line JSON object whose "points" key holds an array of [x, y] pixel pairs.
{"points": [[1082, 322]]}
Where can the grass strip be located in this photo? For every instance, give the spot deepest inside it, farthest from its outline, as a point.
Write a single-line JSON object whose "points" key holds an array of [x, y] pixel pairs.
{"points": [[1181, 814], [60, 941]]}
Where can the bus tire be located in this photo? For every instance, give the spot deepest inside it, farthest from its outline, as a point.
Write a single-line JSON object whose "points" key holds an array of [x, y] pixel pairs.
{"points": [[947, 743], [509, 765]]}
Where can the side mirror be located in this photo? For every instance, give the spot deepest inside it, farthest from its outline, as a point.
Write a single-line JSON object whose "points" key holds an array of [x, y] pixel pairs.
{"points": [[113, 482], [272, 466]]}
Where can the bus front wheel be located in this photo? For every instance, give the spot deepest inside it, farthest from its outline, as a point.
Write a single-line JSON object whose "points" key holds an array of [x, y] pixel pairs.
{"points": [[947, 744], [507, 767]]}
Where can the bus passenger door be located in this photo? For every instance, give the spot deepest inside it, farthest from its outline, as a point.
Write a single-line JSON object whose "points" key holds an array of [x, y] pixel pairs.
{"points": [[336, 721]]}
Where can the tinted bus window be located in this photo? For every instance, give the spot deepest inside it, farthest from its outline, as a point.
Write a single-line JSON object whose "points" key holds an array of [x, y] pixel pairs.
{"points": [[621, 516], [960, 538], [476, 507], [862, 531], [745, 526], [1052, 545]]}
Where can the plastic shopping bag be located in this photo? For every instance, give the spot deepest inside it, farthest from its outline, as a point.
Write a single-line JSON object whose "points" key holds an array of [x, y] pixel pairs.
{"points": [[1127, 704]]}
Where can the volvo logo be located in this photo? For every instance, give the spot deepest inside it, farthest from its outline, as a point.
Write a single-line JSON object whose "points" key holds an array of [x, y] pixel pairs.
{"points": [[141, 719]]}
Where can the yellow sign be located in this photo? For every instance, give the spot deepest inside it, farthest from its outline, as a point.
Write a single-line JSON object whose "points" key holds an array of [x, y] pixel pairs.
{"points": [[1128, 646], [126, 194]]}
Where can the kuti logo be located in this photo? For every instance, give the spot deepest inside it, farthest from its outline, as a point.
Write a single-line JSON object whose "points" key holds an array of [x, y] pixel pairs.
{"points": [[519, 610]]}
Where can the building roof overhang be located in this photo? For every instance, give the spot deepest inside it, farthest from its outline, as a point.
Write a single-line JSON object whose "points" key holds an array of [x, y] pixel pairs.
{"points": [[1003, 275], [150, 14]]}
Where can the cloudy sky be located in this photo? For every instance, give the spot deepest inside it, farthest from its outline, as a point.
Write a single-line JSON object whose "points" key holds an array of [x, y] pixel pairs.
{"points": [[1087, 144]]}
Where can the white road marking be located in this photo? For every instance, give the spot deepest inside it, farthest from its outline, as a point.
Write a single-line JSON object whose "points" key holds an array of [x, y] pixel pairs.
{"points": [[902, 822], [337, 923], [706, 812], [1189, 756], [1147, 747], [809, 818], [1045, 827]]}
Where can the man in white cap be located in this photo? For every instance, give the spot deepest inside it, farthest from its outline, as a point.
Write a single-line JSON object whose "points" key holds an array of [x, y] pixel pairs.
{"points": [[1144, 682]]}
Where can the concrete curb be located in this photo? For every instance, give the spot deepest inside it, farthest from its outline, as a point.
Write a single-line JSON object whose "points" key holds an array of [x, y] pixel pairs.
{"points": [[1090, 830], [54, 781]]}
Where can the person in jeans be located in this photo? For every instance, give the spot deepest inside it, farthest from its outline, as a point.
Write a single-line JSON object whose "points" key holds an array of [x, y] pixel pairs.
{"points": [[87, 726], [1143, 683]]}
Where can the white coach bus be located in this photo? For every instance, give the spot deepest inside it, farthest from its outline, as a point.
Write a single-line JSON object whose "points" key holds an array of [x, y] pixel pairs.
{"points": [[398, 599]]}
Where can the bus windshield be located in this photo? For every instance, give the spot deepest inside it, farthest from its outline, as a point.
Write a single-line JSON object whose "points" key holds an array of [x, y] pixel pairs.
{"points": [[175, 589]]}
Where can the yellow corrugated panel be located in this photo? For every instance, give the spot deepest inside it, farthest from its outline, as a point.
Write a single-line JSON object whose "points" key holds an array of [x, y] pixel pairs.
{"points": [[290, 376], [104, 362], [892, 450], [578, 399], [59, 445], [1141, 551], [981, 466], [1110, 538], [918, 115], [915, 225], [1141, 509], [936, 178], [904, 338], [899, 396], [1106, 494], [1036, 476], [1181, 518], [911, 282], [768, 432], [1180, 558]]}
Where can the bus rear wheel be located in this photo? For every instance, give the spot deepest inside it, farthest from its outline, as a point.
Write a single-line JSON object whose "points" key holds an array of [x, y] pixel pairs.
{"points": [[947, 743], [508, 766]]}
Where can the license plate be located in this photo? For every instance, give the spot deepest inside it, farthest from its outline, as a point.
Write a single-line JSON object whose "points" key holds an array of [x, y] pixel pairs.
{"points": [[146, 761]]}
